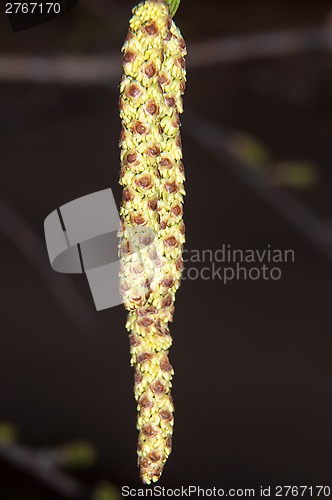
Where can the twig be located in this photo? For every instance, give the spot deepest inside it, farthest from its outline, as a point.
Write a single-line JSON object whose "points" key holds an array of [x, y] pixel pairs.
{"points": [[61, 69], [34, 250], [219, 145], [27, 460], [97, 70], [262, 45]]}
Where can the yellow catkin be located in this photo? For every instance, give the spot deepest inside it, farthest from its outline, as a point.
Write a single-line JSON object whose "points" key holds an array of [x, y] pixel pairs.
{"points": [[152, 229]]}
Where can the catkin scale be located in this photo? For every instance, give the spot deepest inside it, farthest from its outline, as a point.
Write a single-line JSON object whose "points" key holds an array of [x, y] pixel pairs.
{"points": [[152, 230]]}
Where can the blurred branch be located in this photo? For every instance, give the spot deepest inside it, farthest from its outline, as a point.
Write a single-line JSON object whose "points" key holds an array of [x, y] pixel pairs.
{"points": [[29, 461], [43, 465], [97, 69], [262, 45], [34, 250], [60, 69], [76, 454], [221, 145]]}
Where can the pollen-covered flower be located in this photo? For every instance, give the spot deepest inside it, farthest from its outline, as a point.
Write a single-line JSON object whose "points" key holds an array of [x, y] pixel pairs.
{"points": [[152, 229]]}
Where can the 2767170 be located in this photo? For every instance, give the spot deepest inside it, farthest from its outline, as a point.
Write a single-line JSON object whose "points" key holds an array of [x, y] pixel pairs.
{"points": [[303, 491], [32, 8]]}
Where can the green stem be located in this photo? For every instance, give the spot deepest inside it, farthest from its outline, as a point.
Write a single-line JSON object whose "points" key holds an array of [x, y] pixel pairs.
{"points": [[173, 6]]}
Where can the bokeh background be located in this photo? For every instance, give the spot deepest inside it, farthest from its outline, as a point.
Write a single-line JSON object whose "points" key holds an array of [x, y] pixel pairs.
{"points": [[252, 358]]}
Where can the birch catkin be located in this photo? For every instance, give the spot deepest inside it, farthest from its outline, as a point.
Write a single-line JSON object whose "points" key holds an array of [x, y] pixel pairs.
{"points": [[152, 229]]}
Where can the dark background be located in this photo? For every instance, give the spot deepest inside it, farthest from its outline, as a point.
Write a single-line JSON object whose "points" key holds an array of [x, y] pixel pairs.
{"points": [[252, 359]]}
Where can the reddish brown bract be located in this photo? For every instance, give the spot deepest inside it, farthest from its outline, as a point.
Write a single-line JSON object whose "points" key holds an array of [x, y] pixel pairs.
{"points": [[129, 57], [157, 388], [151, 29], [150, 70]]}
